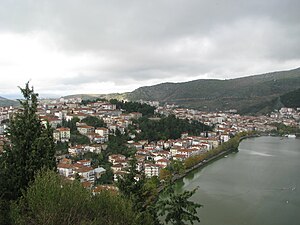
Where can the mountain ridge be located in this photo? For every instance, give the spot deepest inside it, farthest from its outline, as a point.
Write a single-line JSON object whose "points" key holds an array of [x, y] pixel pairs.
{"points": [[213, 94], [254, 94], [8, 102]]}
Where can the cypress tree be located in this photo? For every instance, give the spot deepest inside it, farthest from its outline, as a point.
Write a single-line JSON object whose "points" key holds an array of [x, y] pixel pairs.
{"points": [[30, 148]]}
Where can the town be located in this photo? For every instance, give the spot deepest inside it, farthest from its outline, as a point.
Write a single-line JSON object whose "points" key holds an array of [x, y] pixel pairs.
{"points": [[84, 131]]}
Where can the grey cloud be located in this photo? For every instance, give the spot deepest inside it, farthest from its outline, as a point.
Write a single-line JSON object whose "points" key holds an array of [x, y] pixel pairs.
{"points": [[146, 40]]}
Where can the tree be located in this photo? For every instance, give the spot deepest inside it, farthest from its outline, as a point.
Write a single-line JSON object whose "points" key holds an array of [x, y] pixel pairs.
{"points": [[31, 148], [142, 192], [117, 144], [94, 121], [79, 139], [129, 107], [130, 186], [176, 167], [176, 207], [71, 124], [52, 199]]}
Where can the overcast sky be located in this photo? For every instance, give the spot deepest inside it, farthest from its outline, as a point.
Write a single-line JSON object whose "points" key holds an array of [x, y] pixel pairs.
{"points": [[104, 46]]}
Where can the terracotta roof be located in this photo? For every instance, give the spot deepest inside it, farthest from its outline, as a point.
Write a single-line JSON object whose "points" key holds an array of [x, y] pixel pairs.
{"points": [[65, 166], [63, 129]]}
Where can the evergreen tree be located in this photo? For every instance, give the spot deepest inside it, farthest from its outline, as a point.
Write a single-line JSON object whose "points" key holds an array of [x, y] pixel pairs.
{"points": [[130, 186], [31, 148], [142, 192], [94, 121], [176, 207]]}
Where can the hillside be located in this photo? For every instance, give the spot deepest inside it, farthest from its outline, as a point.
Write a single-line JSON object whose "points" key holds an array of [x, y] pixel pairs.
{"points": [[7, 102], [291, 99], [95, 96], [252, 94]]}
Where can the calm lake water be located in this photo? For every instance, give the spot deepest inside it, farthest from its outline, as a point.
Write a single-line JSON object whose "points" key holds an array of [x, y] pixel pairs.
{"points": [[259, 185]]}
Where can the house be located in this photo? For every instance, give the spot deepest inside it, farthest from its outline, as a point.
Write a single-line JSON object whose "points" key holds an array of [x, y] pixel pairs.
{"points": [[164, 154], [85, 162], [137, 145], [85, 129], [179, 157], [102, 131], [116, 157], [224, 137], [152, 170], [62, 134], [65, 169], [77, 149], [87, 172], [96, 148], [135, 115], [53, 121], [66, 161], [186, 152], [163, 163], [174, 150], [96, 138], [117, 167], [99, 171], [108, 106]]}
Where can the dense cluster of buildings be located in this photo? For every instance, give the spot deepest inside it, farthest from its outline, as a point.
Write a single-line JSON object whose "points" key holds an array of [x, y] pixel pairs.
{"points": [[151, 156]]}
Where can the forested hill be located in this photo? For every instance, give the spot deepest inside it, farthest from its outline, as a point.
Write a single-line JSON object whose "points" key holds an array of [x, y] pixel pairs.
{"points": [[252, 94], [291, 99], [7, 102]]}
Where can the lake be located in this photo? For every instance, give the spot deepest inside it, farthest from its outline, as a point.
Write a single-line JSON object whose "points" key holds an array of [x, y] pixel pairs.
{"points": [[259, 185]]}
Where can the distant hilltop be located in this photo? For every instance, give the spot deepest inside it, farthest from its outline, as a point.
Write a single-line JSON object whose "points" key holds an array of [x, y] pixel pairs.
{"points": [[248, 95], [256, 94], [8, 102]]}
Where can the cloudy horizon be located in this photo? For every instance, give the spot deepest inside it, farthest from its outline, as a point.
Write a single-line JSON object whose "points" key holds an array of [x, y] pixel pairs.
{"points": [[79, 47]]}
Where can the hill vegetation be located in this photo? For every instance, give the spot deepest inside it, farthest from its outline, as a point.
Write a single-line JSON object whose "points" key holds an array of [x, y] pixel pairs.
{"points": [[291, 99], [8, 102], [253, 94]]}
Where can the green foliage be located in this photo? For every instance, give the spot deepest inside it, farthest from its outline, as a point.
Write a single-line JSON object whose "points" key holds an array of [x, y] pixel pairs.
{"points": [[4, 212], [142, 192], [176, 167], [283, 129], [97, 159], [79, 139], [130, 187], [71, 124], [117, 144], [107, 177], [94, 121], [177, 208], [167, 128], [32, 148], [129, 107], [291, 99], [232, 145], [76, 138], [87, 101], [100, 159], [165, 174], [53, 200], [61, 147]]}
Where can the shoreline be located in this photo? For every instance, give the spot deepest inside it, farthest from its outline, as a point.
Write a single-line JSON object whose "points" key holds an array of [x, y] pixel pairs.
{"points": [[202, 164]]}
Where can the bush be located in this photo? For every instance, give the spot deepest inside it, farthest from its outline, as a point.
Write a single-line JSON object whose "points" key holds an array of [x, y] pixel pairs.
{"points": [[53, 200]]}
